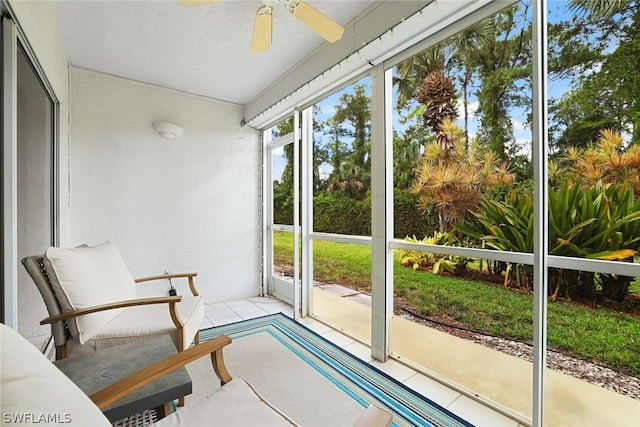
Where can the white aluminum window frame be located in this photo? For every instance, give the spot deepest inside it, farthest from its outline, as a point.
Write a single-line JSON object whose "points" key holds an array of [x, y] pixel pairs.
{"points": [[269, 226]]}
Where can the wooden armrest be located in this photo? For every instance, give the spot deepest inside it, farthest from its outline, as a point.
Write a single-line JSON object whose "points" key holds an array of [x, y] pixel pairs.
{"points": [[190, 276], [110, 306], [165, 276], [144, 376]]}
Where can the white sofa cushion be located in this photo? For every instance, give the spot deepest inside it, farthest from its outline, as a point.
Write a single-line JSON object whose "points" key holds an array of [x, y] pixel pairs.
{"points": [[235, 404], [35, 392], [150, 321], [86, 277]]}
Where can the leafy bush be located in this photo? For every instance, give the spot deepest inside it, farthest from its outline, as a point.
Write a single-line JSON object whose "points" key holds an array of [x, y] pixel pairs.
{"points": [[434, 261], [344, 215], [409, 220], [599, 222], [605, 161]]}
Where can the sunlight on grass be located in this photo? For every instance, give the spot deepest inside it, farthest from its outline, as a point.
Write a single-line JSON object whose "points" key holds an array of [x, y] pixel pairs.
{"points": [[592, 332]]}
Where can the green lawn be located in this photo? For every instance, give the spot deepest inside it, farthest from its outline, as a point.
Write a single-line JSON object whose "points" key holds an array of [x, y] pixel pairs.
{"points": [[590, 332]]}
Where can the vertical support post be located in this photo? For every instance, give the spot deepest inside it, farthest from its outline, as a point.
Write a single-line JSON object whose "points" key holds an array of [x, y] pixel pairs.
{"points": [[267, 211], [541, 212], [9, 175], [296, 214], [381, 213], [307, 211]]}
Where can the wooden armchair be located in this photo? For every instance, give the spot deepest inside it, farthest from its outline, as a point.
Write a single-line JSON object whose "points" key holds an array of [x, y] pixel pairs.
{"points": [[92, 303]]}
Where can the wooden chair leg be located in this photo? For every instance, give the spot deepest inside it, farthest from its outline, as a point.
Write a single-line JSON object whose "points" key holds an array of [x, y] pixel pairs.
{"points": [[181, 401], [164, 410], [217, 360], [61, 352]]}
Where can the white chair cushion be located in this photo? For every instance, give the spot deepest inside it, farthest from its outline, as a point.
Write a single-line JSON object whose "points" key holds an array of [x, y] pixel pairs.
{"points": [[34, 389], [149, 321], [86, 277], [235, 404]]}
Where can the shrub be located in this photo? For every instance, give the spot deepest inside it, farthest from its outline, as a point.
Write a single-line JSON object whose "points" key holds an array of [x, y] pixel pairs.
{"points": [[344, 215], [600, 222], [435, 262], [409, 220]]}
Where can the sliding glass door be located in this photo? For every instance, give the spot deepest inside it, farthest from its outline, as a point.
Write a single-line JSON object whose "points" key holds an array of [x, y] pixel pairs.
{"points": [[35, 182], [28, 184]]}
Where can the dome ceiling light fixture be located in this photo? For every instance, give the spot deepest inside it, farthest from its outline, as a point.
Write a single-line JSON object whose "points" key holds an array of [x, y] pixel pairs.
{"points": [[168, 130], [327, 28]]}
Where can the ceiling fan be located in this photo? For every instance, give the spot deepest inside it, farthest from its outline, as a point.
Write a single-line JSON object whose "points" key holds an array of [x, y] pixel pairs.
{"points": [[262, 27]]}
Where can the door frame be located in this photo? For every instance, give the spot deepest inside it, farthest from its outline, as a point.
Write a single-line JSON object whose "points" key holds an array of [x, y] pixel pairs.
{"points": [[13, 39], [272, 285]]}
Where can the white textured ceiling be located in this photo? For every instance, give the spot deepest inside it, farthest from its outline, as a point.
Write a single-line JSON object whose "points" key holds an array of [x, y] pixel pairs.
{"points": [[202, 50]]}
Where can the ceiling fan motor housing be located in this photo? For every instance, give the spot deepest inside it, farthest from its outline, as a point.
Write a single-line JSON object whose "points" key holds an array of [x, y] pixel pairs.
{"points": [[291, 5]]}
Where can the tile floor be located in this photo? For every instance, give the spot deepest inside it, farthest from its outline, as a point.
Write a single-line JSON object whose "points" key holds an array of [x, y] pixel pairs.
{"points": [[217, 314]]}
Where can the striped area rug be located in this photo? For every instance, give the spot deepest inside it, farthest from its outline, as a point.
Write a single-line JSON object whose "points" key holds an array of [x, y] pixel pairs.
{"points": [[359, 380]]}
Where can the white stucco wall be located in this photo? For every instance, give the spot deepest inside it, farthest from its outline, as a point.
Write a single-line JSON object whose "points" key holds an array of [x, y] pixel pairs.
{"points": [[189, 204], [36, 20]]}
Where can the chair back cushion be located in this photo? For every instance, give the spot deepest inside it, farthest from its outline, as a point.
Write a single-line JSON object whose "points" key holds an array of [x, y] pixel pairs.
{"points": [[86, 277]]}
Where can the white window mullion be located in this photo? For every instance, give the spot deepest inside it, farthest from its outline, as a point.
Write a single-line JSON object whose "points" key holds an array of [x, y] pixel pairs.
{"points": [[381, 213], [267, 213], [307, 211], [541, 213], [296, 215]]}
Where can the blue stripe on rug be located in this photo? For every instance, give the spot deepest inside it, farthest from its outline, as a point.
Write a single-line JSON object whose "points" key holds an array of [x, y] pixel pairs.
{"points": [[362, 382]]}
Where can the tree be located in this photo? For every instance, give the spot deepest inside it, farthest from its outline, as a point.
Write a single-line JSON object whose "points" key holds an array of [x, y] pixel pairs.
{"points": [[337, 151], [406, 154], [411, 72], [355, 109], [504, 71], [599, 52], [351, 168], [454, 180], [283, 189], [603, 9], [605, 161], [438, 94], [578, 117], [457, 53], [465, 47]]}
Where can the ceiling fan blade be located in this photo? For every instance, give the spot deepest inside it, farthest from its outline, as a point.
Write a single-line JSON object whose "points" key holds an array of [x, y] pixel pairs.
{"points": [[189, 3], [261, 38], [330, 30]]}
